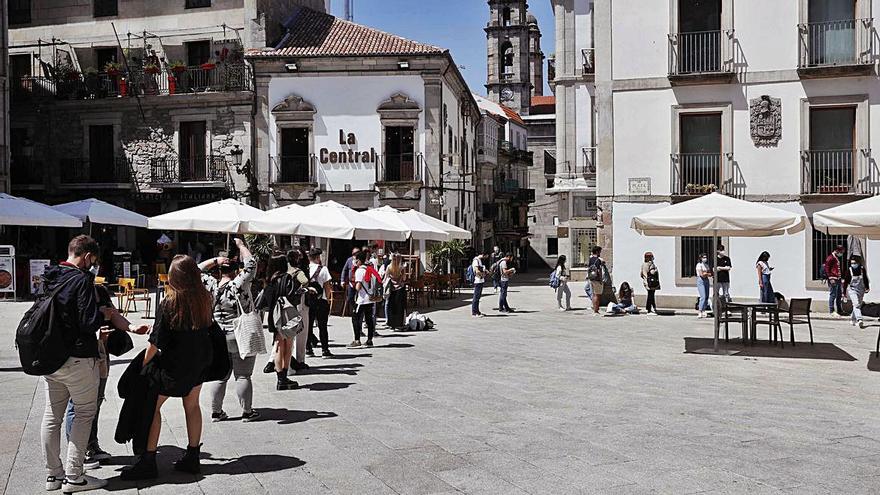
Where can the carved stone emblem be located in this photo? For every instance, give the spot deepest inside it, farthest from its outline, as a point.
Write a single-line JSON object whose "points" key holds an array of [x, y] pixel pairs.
{"points": [[766, 120]]}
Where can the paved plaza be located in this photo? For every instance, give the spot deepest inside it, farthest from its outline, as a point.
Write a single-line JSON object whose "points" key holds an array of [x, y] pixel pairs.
{"points": [[538, 402]]}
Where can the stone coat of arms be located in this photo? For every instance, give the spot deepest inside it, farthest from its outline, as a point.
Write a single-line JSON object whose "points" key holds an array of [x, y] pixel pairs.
{"points": [[766, 120]]}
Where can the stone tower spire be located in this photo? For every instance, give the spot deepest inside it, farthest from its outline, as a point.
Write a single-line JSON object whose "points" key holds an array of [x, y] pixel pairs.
{"points": [[536, 56], [508, 35]]}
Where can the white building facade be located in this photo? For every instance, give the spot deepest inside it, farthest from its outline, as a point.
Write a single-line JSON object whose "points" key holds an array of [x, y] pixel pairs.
{"points": [[775, 103]]}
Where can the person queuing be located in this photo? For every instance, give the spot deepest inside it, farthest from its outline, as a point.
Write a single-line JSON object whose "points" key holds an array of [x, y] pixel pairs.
{"points": [[597, 272], [281, 291], [723, 266], [832, 267], [395, 279], [180, 344], [855, 283], [77, 380], [763, 269], [298, 269], [562, 290], [234, 286], [497, 257], [366, 281], [505, 271], [319, 302], [480, 274], [625, 304], [704, 277], [346, 279], [651, 280]]}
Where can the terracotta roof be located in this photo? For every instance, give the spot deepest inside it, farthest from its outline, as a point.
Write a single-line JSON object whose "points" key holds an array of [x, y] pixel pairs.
{"points": [[512, 115], [498, 109], [315, 34], [543, 105]]}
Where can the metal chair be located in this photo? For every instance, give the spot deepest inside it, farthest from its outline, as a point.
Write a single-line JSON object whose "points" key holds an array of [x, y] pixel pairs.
{"points": [[774, 329], [797, 310], [732, 314]]}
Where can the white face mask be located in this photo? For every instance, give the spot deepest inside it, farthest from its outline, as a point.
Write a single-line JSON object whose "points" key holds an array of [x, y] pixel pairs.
{"points": [[722, 253], [704, 260], [94, 270]]}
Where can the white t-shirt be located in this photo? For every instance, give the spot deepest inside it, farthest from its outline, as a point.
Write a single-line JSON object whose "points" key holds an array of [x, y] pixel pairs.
{"points": [[561, 274], [362, 296], [765, 268], [321, 278], [701, 268], [502, 267], [479, 270]]}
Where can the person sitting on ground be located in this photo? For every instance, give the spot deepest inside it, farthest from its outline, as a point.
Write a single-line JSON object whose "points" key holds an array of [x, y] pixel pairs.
{"points": [[625, 303]]}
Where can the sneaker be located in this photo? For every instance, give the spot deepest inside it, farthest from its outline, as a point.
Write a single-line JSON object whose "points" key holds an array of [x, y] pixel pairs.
{"points": [[310, 352], [369, 343], [82, 484], [52, 484], [376, 334], [852, 322], [269, 368], [354, 344], [326, 354], [219, 416], [98, 454], [90, 464], [562, 309], [861, 324], [248, 417]]}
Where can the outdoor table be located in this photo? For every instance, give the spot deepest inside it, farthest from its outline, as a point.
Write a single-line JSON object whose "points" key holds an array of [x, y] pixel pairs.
{"points": [[753, 308]]}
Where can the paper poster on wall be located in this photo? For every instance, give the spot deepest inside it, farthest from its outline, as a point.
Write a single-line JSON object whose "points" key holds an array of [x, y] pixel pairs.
{"points": [[37, 268], [7, 274]]}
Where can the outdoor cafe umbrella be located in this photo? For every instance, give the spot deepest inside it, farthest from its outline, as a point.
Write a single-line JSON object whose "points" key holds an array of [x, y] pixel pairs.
{"points": [[857, 218], [96, 211], [329, 219], [24, 212], [228, 216], [413, 225], [453, 231], [719, 216]]}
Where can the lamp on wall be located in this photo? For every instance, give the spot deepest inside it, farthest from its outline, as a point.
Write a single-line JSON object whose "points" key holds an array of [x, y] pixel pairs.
{"points": [[403, 64], [236, 155], [291, 67]]}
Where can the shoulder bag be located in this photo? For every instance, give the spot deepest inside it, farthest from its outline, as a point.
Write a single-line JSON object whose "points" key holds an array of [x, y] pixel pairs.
{"points": [[248, 330]]}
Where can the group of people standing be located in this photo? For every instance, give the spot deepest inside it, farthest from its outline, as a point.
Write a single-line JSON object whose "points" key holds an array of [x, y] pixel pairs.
{"points": [[497, 267]]}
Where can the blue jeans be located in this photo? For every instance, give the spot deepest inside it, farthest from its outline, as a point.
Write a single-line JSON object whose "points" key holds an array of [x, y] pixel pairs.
{"points": [[703, 288], [835, 296], [475, 303], [767, 295], [69, 415], [502, 299]]}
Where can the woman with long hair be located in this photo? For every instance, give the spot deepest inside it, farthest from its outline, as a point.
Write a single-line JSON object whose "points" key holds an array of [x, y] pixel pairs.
{"points": [[625, 302], [298, 269], [182, 349], [651, 279], [280, 292], [562, 275], [855, 285], [704, 277], [395, 292], [763, 268]]}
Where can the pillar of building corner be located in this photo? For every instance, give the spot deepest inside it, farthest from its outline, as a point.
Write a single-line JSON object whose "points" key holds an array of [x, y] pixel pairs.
{"points": [[260, 140], [433, 110], [605, 128]]}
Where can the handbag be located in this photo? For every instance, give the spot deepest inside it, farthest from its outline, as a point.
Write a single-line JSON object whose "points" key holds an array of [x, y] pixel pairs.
{"points": [[248, 331], [119, 342]]}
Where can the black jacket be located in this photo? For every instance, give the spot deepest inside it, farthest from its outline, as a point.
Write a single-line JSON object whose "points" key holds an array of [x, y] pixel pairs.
{"points": [[80, 303], [138, 405]]}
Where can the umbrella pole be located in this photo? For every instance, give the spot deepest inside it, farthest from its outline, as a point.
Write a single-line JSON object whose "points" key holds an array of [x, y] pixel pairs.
{"points": [[716, 314], [227, 243]]}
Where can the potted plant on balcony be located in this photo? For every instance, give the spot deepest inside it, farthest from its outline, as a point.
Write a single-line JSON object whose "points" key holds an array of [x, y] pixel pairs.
{"points": [[152, 69], [696, 189], [209, 65], [177, 66], [833, 186], [113, 69]]}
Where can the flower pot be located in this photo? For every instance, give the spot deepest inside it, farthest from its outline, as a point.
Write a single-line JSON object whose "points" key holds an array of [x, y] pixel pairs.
{"points": [[73, 76], [172, 85], [152, 70], [208, 66], [113, 72], [178, 69]]}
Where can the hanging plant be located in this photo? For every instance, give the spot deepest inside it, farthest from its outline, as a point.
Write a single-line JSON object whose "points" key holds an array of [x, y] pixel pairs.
{"points": [[152, 69], [113, 68], [177, 66]]}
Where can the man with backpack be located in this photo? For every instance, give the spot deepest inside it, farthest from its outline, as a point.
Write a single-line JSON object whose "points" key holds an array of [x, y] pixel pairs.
{"points": [[477, 275], [505, 271], [58, 339], [496, 258], [597, 272], [367, 285]]}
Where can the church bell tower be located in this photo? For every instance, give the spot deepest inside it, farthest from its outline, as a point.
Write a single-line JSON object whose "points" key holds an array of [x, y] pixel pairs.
{"points": [[508, 35]]}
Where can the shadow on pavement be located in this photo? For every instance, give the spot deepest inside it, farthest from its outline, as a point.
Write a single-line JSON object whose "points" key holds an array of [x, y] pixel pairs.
{"points": [[288, 416], [332, 369], [395, 345], [245, 464], [803, 350], [323, 387], [873, 362]]}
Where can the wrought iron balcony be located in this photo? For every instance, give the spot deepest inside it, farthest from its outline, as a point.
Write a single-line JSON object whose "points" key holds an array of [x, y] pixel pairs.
{"points": [[506, 187], [84, 172], [589, 61], [400, 167], [586, 169], [296, 169], [704, 54], [171, 170], [836, 46], [695, 174], [844, 171]]}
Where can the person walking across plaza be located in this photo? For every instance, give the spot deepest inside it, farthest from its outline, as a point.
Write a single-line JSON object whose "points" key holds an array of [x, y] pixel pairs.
{"points": [[494, 263], [345, 280], [77, 379], [479, 268], [281, 292], [704, 278], [181, 346], [319, 302], [298, 269], [855, 283], [764, 270], [723, 265], [597, 273], [505, 271], [651, 280], [366, 281], [833, 271], [562, 275], [395, 281], [234, 286]]}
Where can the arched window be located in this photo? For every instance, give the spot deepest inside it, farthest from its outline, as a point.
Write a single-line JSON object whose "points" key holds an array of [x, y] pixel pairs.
{"points": [[506, 51], [505, 16]]}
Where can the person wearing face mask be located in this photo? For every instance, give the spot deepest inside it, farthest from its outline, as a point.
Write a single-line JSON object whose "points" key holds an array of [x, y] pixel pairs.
{"points": [[855, 283], [723, 266], [763, 268], [704, 276]]}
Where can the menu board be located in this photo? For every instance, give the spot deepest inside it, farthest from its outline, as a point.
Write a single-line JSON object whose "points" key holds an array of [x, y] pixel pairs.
{"points": [[7, 274], [38, 267]]}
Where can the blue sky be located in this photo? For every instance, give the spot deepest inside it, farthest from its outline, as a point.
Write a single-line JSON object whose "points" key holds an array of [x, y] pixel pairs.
{"points": [[453, 24]]}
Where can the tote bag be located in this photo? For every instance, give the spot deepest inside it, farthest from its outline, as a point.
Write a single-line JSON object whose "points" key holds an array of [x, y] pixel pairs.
{"points": [[248, 330]]}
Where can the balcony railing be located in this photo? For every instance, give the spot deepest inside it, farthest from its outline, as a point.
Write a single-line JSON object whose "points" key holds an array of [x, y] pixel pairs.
{"points": [[835, 43], [585, 169], [843, 171], [114, 171], [296, 169], [704, 52], [695, 174], [223, 77], [589, 61], [174, 170], [506, 186], [400, 167]]}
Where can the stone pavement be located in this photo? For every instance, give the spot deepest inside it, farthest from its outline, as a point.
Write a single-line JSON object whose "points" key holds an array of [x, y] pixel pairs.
{"points": [[538, 402]]}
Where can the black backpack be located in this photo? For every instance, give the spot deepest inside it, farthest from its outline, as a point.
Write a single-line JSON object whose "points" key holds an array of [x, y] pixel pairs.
{"points": [[42, 338]]}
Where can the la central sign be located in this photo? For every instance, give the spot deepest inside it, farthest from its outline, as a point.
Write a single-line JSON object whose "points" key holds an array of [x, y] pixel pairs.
{"points": [[349, 155]]}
